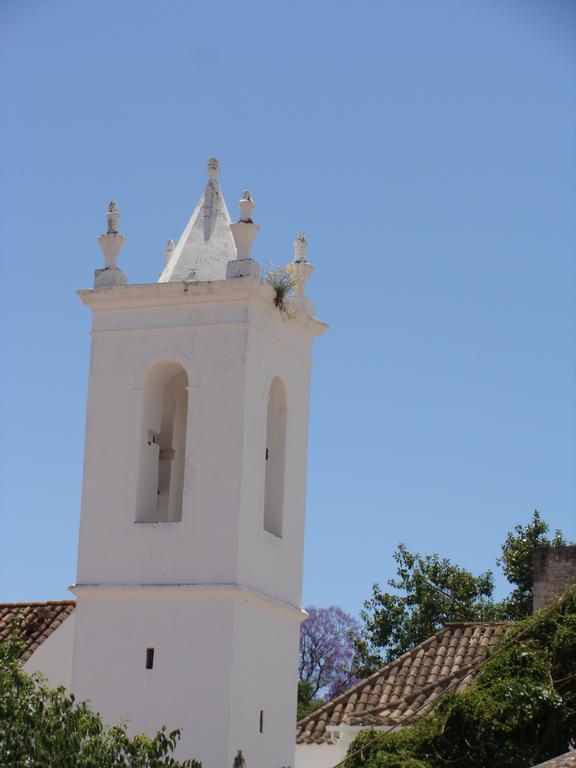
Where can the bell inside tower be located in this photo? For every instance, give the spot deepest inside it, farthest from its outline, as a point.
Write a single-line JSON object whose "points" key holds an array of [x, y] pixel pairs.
{"points": [[163, 445]]}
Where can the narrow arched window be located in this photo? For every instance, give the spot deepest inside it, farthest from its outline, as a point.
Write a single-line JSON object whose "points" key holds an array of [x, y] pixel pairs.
{"points": [[275, 458], [163, 445]]}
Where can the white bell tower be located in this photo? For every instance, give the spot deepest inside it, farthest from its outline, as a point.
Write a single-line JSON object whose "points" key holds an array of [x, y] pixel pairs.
{"points": [[191, 539]]}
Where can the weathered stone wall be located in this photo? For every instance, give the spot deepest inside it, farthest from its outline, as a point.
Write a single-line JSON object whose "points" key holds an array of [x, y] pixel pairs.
{"points": [[554, 569]]}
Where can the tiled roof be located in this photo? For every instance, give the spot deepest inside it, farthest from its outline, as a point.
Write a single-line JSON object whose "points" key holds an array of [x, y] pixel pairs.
{"points": [[567, 760], [394, 692], [39, 620]]}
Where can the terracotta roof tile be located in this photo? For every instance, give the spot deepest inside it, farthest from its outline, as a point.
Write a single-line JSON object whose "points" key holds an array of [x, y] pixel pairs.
{"points": [[401, 687], [39, 620]]}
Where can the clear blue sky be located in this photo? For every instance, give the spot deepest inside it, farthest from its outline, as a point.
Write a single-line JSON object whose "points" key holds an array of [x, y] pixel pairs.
{"points": [[427, 150]]}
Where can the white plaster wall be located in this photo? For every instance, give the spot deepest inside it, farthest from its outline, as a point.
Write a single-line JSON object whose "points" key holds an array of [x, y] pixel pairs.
{"points": [[329, 755], [318, 755], [203, 546], [225, 625], [265, 675], [189, 684], [54, 657], [220, 657], [231, 350], [266, 562]]}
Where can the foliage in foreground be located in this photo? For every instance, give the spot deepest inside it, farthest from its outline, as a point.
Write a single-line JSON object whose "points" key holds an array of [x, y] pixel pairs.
{"points": [[520, 711], [430, 591], [41, 727]]}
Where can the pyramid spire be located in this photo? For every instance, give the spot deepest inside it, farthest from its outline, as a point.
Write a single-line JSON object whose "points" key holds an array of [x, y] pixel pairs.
{"points": [[206, 245]]}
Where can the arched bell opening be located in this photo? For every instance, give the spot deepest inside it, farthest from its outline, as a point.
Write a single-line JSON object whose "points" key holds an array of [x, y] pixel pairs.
{"points": [[275, 457], [163, 445]]}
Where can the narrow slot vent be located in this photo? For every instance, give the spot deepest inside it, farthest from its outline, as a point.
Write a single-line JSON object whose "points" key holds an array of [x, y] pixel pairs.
{"points": [[149, 658], [261, 721]]}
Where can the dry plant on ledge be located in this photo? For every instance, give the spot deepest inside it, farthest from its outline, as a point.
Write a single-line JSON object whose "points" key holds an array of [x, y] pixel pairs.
{"points": [[286, 282]]}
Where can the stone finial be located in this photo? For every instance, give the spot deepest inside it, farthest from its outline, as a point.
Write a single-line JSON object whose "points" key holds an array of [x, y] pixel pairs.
{"points": [[303, 270], [246, 207], [300, 248], [113, 218], [169, 251], [213, 168], [111, 244], [244, 232]]}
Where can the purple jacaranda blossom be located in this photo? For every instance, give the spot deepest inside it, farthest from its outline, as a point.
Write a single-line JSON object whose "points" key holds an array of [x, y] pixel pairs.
{"points": [[327, 650]]}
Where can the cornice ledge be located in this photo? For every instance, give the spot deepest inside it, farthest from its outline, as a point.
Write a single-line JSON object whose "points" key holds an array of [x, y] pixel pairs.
{"points": [[216, 589], [161, 294], [145, 294]]}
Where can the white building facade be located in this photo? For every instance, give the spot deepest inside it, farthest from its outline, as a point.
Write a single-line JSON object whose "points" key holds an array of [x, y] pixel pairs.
{"points": [[191, 540]]}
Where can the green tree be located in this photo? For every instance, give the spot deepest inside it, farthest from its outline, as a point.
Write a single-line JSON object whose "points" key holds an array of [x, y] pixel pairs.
{"points": [[520, 710], [41, 727], [430, 591], [516, 563], [307, 702]]}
